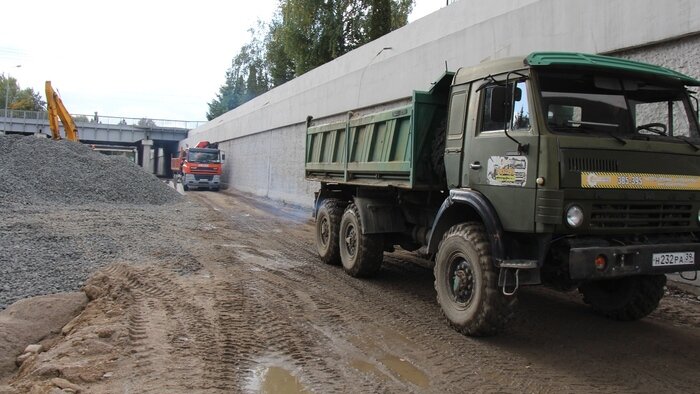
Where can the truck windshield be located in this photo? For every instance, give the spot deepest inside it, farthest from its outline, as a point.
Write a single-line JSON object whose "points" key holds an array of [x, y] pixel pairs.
{"points": [[589, 103], [203, 157]]}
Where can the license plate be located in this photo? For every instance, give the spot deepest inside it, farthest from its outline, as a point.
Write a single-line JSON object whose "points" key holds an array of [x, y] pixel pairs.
{"points": [[675, 258]]}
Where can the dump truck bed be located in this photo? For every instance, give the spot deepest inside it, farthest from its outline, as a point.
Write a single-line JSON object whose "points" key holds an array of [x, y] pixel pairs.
{"points": [[392, 148]]}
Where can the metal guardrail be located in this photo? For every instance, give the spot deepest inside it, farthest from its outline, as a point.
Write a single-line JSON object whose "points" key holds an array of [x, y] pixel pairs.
{"points": [[106, 120]]}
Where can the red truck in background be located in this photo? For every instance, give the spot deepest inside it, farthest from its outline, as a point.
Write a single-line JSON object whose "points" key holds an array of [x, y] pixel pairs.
{"points": [[199, 167]]}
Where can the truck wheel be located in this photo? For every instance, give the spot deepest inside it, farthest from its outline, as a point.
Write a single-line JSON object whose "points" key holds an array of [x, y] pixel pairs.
{"points": [[361, 254], [466, 282], [327, 227], [625, 299]]}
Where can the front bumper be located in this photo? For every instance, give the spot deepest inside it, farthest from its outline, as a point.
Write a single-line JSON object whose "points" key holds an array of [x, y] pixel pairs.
{"points": [[197, 181], [628, 260]]}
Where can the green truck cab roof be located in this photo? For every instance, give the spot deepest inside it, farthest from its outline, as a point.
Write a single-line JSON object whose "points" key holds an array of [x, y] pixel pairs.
{"points": [[572, 59]]}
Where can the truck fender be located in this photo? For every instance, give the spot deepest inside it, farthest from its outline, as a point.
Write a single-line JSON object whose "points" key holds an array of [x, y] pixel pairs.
{"points": [[324, 194], [379, 216], [468, 205]]}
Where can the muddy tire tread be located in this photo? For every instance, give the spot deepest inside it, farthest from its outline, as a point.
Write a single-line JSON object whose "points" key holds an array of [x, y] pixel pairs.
{"points": [[646, 292], [370, 250], [335, 208], [497, 309]]}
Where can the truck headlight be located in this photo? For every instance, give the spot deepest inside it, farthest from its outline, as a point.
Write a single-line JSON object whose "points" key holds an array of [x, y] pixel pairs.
{"points": [[574, 216]]}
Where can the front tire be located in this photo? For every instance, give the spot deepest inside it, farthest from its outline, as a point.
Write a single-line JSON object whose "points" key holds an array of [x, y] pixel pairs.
{"points": [[361, 254], [466, 282], [625, 299], [327, 228]]}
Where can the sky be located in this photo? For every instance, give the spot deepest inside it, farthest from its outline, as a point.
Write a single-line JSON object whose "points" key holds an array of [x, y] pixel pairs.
{"points": [[133, 58]]}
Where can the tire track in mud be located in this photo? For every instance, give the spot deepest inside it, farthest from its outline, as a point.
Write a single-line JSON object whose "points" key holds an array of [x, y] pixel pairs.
{"points": [[317, 279], [342, 313], [283, 308], [284, 328], [170, 338], [401, 300]]}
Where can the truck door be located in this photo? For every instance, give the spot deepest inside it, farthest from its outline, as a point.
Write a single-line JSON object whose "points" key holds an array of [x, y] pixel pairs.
{"points": [[502, 165], [455, 134]]}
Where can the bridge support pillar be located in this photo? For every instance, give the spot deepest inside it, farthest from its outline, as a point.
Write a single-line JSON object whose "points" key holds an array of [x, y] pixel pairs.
{"points": [[147, 156]]}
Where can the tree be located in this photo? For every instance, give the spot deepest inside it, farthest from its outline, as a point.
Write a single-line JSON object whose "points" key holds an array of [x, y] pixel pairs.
{"points": [[246, 79], [20, 99], [303, 35], [280, 65], [379, 18], [145, 122], [314, 32]]}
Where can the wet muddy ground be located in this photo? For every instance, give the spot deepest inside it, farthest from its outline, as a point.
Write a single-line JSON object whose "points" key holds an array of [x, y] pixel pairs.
{"points": [[256, 311]]}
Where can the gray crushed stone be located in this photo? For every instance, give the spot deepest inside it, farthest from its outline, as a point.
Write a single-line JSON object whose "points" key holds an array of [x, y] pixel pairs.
{"points": [[66, 211], [39, 170]]}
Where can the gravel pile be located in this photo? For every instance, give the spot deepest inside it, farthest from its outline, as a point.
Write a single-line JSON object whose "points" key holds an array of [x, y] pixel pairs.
{"points": [[66, 211], [39, 170]]}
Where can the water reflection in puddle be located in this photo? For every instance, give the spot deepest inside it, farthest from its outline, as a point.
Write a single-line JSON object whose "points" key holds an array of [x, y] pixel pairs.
{"points": [[270, 377], [405, 371], [278, 380]]}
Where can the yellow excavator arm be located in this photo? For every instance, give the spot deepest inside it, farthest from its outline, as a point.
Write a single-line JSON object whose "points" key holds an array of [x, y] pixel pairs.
{"points": [[57, 110]]}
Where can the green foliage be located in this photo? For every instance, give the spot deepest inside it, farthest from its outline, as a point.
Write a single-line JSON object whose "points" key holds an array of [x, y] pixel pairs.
{"points": [[246, 79], [145, 122], [280, 64], [303, 35], [379, 18], [19, 99], [314, 32]]}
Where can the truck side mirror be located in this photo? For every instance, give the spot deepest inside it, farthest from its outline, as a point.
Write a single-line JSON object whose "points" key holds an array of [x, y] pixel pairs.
{"points": [[500, 100], [518, 94], [223, 156]]}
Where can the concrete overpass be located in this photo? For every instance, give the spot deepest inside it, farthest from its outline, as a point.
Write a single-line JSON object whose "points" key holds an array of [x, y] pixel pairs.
{"points": [[153, 140]]}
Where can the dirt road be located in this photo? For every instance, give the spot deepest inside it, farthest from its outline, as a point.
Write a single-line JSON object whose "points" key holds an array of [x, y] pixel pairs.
{"points": [[255, 310]]}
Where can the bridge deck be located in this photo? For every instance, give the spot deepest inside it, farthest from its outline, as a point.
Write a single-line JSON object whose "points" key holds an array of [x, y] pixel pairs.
{"points": [[103, 129]]}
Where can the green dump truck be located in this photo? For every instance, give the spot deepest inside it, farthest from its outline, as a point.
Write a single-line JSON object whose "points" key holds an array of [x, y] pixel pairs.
{"points": [[570, 170]]}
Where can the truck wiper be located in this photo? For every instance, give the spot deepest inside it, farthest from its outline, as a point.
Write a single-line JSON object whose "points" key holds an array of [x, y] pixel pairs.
{"points": [[608, 133], [678, 137]]}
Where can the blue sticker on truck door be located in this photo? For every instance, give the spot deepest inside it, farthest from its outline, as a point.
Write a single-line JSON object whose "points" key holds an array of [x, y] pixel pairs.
{"points": [[507, 170]]}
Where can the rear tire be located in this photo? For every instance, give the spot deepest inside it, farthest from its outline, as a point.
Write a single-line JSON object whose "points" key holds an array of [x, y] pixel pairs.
{"points": [[625, 299], [466, 282], [361, 254], [327, 229]]}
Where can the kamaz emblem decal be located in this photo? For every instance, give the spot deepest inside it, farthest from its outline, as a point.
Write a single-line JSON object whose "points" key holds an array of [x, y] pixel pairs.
{"points": [[507, 170], [632, 180]]}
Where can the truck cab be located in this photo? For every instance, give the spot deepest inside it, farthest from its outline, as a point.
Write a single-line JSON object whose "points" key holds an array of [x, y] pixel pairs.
{"points": [[199, 167]]}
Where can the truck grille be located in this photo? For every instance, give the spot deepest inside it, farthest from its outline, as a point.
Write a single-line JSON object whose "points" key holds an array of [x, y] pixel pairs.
{"points": [[581, 164], [204, 170], [640, 215]]}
